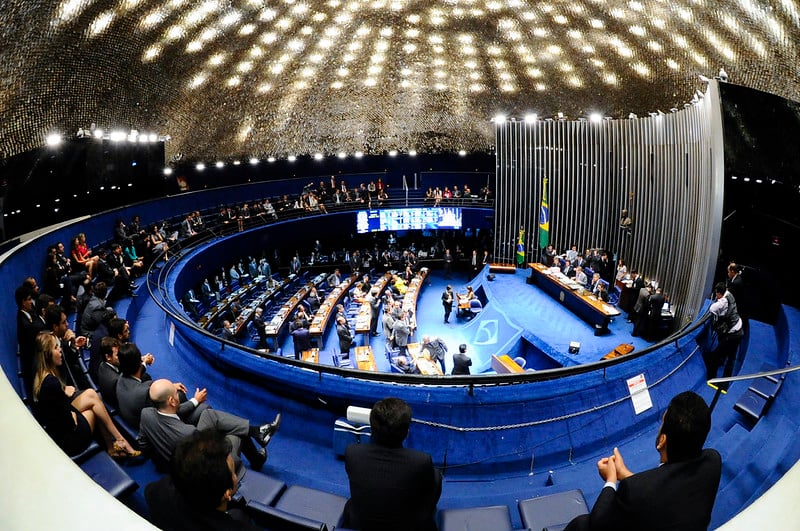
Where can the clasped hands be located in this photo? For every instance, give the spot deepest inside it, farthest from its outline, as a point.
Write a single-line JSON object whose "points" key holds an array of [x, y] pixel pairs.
{"points": [[612, 468]]}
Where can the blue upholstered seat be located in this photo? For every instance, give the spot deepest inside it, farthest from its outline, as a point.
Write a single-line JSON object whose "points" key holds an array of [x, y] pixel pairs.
{"points": [[552, 510], [495, 517], [108, 474], [313, 504], [752, 405], [275, 519], [257, 487]]}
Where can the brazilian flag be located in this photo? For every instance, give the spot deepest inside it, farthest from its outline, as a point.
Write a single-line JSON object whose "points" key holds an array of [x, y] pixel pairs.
{"points": [[544, 218], [521, 248]]}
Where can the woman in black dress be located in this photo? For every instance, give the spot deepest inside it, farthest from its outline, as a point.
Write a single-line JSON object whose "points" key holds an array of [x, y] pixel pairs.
{"points": [[69, 416]]}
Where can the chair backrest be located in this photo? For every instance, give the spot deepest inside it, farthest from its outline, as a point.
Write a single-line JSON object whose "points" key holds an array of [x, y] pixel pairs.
{"points": [[519, 360], [278, 520], [475, 304]]}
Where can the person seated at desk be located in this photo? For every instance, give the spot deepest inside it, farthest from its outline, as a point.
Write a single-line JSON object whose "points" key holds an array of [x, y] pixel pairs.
{"points": [[402, 363], [595, 283], [602, 291], [358, 293], [568, 270], [398, 285], [580, 276]]}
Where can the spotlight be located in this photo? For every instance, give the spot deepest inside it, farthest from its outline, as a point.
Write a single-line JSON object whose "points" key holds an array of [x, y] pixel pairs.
{"points": [[412, 153], [595, 117], [358, 154], [53, 139], [219, 164], [531, 118], [393, 153], [499, 118], [342, 155], [291, 158], [200, 166], [254, 161], [271, 159], [318, 156], [98, 134], [117, 136], [462, 153], [237, 162], [152, 137]]}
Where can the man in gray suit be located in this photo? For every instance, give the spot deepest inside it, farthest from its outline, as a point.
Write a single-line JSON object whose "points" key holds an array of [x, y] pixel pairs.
{"points": [[134, 384], [402, 331], [161, 429]]}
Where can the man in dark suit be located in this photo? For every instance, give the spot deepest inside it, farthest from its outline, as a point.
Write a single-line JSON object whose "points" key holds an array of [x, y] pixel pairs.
{"points": [[461, 361], [345, 336], [391, 487], [447, 302], [161, 429], [196, 495], [679, 494]]}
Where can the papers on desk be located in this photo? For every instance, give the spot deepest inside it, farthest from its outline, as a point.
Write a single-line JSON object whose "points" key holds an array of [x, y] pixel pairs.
{"points": [[362, 356]]}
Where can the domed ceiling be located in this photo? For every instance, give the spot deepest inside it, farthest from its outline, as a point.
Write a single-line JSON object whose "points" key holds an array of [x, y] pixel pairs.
{"points": [[239, 78]]}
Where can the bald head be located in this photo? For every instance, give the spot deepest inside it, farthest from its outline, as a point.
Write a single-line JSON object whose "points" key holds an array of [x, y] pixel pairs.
{"points": [[160, 393]]}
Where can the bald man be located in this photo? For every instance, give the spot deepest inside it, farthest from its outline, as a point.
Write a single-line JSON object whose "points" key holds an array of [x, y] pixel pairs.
{"points": [[161, 429]]}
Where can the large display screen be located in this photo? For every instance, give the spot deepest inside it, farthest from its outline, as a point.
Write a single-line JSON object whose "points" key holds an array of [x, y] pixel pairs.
{"points": [[396, 219]]}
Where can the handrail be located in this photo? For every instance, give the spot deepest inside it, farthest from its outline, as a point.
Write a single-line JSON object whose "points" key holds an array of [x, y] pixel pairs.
{"points": [[479, 380], [753, 376]]}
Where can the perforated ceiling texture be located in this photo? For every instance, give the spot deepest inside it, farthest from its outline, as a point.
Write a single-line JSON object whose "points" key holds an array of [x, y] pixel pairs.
{"points": [[239, 78]]}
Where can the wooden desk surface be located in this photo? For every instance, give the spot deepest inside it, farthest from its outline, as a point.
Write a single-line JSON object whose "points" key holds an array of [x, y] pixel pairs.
{"points": [[425, 366], [283, 315], [364, 359], [503, 364], [319, 321], [364, 317], [311, 356], [603, 307]]}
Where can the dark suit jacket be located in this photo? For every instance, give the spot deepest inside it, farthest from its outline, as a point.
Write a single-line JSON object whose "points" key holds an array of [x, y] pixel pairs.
{"points": [[674, 496], [461, 363], [171, 511], [390, 489]]}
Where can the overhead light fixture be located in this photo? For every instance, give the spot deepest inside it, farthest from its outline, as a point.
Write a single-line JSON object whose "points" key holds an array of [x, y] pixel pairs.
{"points": [[291, 158], [318, 156], [358, 154], [271, 159], [219, 164], [236, 162], [462, 153], [200, 166], [98, 134], [531, 118], [412, 153], [393, 153], [595, 117], [254, 161], [632, 116], [342, 155], [53, 139], [499, 118]]}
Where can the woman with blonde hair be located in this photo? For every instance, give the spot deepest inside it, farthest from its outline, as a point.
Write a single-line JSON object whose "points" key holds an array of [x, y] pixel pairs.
{"points": [[69, 416]]}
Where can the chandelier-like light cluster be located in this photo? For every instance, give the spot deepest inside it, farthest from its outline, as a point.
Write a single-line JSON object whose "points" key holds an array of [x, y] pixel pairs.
{"points": [[232, 78]]}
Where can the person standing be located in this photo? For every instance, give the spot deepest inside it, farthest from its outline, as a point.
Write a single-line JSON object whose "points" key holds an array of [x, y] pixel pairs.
{"points": [[345, 336], [474, 262], [447, 302], [401, 331], [448, 263], [392, 488], [728, 326], [461, 361]]}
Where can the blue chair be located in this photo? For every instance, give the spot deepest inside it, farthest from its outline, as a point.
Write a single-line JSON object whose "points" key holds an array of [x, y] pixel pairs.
{"points": [[552, 510], [475, 307], [275, 519], [257, 487], [108, 474], [496, 518], [313, 504]]}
